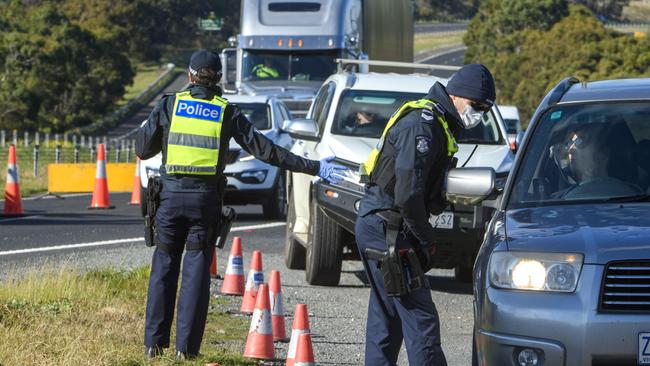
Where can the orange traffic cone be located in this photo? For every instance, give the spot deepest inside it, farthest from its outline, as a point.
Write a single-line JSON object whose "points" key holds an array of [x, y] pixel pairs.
{"points": [[100, 193], [135, 195], [13, 200], [300, 326], [277, 310], [305, 352], [233, 280], [254, 280], [259, 343], [213, 265]]}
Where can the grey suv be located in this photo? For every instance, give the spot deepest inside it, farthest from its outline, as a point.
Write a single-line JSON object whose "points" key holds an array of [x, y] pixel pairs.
{"points": [[563, 275]]}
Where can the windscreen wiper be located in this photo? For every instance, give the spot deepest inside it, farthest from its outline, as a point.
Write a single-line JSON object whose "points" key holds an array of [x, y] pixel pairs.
{"points": [[637, 198]]}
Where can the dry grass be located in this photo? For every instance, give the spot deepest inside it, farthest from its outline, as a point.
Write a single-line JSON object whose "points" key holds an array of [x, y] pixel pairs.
{"points": [[68, 318], [637, 11], [429, 41]]}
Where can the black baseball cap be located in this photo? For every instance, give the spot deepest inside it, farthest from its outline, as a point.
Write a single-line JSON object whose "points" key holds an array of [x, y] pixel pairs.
{"points": [[204, 59]]}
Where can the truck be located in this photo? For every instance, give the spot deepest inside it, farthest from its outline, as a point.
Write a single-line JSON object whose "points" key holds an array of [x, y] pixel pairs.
{"points": [[287, 48]]}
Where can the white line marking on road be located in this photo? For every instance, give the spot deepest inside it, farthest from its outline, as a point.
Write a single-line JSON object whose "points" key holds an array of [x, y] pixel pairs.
{"points": [[427, 58], [122, 241]]}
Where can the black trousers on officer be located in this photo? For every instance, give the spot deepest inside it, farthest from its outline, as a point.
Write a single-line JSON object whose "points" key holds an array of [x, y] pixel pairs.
{"points": [[183, 221], [412, 318]]}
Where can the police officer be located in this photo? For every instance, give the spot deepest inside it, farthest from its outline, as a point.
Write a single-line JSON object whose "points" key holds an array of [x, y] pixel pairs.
{"points": [[265, 70], [406, 173], [192, 128]]}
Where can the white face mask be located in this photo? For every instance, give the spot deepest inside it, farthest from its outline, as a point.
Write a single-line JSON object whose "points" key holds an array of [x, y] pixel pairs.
{"points": [[470, 117]]}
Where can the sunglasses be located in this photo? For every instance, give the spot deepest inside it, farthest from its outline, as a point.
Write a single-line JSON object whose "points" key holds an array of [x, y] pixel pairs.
{"points": [[480, 107]]}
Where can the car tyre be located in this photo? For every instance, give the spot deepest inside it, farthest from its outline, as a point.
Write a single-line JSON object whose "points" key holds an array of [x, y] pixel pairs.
{"points": [[276, 206], [143, 201], [294, 252], [324, 251]]}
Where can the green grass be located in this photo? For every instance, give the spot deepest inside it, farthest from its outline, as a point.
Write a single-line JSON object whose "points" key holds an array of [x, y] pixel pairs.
{"points": [[145, 75], [430, 41], [65, 318]]}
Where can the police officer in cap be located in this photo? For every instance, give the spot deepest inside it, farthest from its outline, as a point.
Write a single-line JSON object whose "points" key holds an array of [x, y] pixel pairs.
{"points": [[405, 177], [192, 128]]}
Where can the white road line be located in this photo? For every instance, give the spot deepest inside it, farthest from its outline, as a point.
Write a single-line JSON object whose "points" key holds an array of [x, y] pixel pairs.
{"points": [[122, 241]]}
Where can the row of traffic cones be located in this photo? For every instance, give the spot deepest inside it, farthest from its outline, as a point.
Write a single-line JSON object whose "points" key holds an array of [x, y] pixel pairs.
{"points": [[100, 199], [264, 302]]}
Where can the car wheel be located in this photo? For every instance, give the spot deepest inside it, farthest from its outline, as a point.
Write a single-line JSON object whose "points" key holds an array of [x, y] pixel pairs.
{"points": [[276, 206], [324, 250], [294, 252], [143, 201], [464, 273]]}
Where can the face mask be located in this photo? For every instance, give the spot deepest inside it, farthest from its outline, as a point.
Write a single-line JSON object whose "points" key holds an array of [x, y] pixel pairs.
{"points": [[470, 117]]}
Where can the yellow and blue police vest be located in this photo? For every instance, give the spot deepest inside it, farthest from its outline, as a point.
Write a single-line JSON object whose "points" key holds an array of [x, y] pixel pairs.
{"points": [[452, 147], [193, 142], [264, 72]]}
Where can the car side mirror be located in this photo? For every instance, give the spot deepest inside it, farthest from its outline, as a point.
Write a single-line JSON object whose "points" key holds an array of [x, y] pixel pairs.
{"points": [[284, 125], [303, 129], [228, 59], [469, 186]]}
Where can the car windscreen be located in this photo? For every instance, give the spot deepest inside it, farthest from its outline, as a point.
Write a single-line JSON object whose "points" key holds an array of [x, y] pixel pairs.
{"points": [[294, 66], [511, 125], [365, 113], [257, 113], [598, 152]]}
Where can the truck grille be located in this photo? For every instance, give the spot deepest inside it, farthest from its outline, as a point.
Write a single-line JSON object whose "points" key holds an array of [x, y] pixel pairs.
{"points": [[626, 287]]}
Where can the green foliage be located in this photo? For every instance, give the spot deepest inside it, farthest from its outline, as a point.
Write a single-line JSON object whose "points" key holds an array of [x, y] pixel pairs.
{"points": [[55, 75], [531, 45]]}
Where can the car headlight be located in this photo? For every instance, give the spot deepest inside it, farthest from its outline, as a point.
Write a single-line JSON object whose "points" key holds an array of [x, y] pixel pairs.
{"points": [[535, 271]]}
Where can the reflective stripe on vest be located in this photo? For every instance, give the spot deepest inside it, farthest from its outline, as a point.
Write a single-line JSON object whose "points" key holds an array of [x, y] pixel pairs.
{"points": [[369, 165], [193, 142]]}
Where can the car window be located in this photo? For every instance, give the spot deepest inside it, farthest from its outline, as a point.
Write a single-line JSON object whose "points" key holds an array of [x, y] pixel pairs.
{"points": [[486, 132], [322, 104], [511, 125], [364, 113], [257, 113], [586, 152]]}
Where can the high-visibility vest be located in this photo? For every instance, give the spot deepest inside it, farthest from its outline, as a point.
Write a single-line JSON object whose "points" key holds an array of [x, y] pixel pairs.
{"points": [[264, 72], [193, 142], [369, 165]]}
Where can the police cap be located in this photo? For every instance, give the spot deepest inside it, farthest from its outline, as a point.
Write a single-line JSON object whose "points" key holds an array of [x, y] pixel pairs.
{"points": [[204, 59]]}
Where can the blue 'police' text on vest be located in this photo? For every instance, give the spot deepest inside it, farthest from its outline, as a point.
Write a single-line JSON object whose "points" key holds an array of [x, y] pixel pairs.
{"points": [[193, 109]]}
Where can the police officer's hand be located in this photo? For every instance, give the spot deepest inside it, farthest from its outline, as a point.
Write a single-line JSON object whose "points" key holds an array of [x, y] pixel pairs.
{"points": [[332, 173]]}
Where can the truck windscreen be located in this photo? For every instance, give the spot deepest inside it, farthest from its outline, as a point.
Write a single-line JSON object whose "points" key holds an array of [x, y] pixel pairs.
{"points": [[295, 66]]}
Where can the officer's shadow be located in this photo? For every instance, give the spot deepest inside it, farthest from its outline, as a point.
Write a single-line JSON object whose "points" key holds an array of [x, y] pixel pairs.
{"points": [[447, 284]]}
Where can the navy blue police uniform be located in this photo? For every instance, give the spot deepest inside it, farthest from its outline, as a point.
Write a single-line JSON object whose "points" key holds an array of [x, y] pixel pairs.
{"points": [[189, 207], [412, 163]]}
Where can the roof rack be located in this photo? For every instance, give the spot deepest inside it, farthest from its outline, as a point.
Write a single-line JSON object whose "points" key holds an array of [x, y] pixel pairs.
{"points": [[347, 64]]}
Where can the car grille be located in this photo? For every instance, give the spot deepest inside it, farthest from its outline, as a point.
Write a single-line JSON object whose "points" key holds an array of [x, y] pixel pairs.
{"points": [[626, 287], [231, 156]]}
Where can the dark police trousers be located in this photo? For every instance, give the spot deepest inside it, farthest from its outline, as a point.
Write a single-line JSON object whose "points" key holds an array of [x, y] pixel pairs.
{"points": [[183, 218], [390, 319]]}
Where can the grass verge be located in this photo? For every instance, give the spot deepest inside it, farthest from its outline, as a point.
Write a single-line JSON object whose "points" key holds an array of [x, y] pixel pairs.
{"points": [[144, 76], [65, 318], [429, 41]]}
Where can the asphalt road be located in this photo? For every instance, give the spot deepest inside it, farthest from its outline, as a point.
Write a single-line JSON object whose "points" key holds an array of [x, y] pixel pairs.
{"points": [[451, 56], [56, 233]]}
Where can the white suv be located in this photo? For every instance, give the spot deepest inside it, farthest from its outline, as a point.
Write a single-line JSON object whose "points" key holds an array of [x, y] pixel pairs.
{"points": [[321, 216]]}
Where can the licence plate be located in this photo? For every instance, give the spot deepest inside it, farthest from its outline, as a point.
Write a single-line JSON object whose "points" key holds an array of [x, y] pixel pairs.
{"points": [[644, 348], [443, 221]]}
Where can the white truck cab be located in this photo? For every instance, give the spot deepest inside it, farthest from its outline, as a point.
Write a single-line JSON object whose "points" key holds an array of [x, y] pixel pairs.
{"points": [[321, 216]]}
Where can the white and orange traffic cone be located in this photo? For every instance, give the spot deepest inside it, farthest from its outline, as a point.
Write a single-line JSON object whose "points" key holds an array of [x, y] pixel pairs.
{"points": [[259, 343], [135, 195], [254, 280], [213, 265], [13, 199], [233, 280], [100, 193], [300, 326], [305, 351], [277, 309]]}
